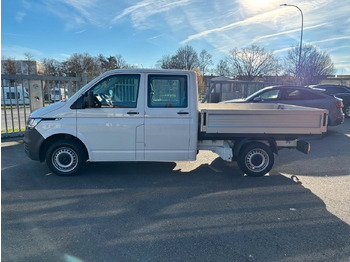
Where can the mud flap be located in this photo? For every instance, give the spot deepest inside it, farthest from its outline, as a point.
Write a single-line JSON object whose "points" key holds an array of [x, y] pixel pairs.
{"points": [[303, 146]]}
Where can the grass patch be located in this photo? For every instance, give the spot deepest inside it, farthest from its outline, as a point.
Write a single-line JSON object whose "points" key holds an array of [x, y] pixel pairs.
{"points": [[14, 107], [13, 130]]}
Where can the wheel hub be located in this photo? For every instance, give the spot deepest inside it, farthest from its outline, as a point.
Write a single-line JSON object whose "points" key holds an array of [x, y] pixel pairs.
{"points": [[257, 160], [65, 159]]}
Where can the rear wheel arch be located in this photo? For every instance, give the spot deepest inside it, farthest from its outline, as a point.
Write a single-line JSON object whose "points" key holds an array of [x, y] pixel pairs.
{"points": [[244, 142]]}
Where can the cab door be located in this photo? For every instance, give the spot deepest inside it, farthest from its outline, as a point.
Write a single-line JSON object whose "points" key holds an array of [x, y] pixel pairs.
{"points": [[113, 130], [167, 118]]}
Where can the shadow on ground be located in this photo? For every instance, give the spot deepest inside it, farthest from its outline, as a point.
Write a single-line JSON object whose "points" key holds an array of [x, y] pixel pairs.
{"points": [[153, 212]]}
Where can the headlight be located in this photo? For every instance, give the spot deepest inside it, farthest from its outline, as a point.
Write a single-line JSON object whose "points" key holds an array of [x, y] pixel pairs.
{"points": [[32, 122]]}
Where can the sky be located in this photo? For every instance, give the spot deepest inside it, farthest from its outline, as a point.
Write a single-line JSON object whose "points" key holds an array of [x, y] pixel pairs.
{"points": [[144, 31]]}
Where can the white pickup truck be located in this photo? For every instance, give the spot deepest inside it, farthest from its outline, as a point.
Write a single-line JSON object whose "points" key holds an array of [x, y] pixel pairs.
{"points": [[154, 115]]}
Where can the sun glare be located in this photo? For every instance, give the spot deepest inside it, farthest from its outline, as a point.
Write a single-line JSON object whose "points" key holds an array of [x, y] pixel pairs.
{"points": [[254, 6]]}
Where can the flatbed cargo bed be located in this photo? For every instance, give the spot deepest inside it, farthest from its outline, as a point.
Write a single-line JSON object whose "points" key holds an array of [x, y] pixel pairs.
{"points": [[249, 119]]}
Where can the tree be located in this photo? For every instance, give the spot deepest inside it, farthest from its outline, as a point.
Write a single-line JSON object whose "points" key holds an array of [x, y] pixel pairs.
{"points": [[249, 63], [166, 62], [111, 62], [185, 58], [10, 66], [315, 65], [222, 68], [29, 59], [52, 67], [205, 60], [81, 63], [200, 81]]}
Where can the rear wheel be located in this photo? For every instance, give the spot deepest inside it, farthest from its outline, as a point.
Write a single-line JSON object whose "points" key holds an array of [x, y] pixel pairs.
{"points": [[65, 158], [256, 159]]}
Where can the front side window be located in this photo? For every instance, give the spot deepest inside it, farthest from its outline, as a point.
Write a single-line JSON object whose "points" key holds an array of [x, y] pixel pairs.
{"points": [[270, 95], [167, 91], [120, 91]]}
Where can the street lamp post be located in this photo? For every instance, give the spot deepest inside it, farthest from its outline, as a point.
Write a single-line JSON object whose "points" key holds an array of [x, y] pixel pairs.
{"points": [[301, 40]]}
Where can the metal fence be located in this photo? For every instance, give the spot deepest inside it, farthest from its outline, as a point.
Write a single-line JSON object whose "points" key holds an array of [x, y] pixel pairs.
{"points": [[23, 94], [225, 89]]}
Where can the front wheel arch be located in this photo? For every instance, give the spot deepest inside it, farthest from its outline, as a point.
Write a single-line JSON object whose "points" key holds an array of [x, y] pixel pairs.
{"points": [[53, 139]]}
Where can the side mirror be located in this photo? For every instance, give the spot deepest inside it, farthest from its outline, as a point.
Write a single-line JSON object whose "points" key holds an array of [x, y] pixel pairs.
{"points": [[89, 100], [78, 104], [257, 99]]}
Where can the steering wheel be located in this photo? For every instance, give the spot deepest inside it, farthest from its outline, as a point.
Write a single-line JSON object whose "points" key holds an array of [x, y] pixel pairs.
{"points": [[105, 99]]}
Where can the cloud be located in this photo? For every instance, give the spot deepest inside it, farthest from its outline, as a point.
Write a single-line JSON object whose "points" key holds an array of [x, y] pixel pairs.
{"points": [[78, 13], [257, 19], [17, 52], [79, 32], [142, 11], [287, 32], [85, 8], [282, 50], [330, 39], [19, 16]]}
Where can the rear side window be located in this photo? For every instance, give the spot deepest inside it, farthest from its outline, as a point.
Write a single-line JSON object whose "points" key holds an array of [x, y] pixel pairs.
{"points": [[297, 94], [335, 89], [167, 91]]}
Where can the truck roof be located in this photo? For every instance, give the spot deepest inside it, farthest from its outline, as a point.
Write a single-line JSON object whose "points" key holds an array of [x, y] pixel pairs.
{"points": [[149, 71]]}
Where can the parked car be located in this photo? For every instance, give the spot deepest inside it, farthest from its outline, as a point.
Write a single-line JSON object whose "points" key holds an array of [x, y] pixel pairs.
{"points": [[342, 92], [301, 96]]}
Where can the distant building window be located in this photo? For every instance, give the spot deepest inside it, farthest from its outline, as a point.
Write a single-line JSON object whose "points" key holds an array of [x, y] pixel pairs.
{"points": [[11, 95]]}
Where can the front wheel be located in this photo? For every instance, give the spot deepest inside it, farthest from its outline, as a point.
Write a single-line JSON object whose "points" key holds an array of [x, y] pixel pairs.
{"points": [[256, 159], [65, 158]]}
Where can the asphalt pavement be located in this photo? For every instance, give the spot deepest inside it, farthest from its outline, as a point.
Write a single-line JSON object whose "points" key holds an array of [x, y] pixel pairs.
{"points": [[205, 210]]}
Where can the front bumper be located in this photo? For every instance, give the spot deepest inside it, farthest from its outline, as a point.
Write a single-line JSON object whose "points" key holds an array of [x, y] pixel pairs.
{"points": [[32, 143]]}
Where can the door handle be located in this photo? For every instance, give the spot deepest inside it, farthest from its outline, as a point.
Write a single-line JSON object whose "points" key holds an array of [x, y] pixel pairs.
{"points": [[182, 113], [132, 113]]}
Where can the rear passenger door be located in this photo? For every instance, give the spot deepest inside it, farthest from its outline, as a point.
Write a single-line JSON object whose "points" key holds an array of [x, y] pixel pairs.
{"points": [[302, 98], [167, 118]]}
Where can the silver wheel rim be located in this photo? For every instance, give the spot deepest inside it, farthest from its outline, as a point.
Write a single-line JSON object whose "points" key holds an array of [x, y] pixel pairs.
{"points": [[65, 159], [257, 160], [347, 111]]}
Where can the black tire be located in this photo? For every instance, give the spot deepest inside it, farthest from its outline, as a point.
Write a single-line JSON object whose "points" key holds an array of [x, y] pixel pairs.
{"points": [[65, 157], [256, 159], [346, 110]]}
